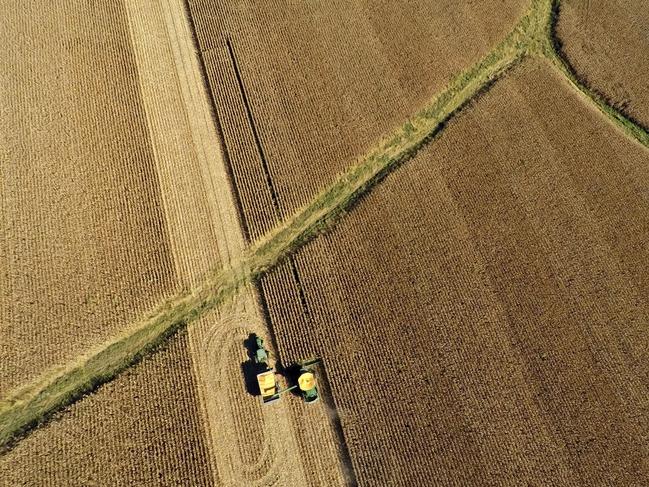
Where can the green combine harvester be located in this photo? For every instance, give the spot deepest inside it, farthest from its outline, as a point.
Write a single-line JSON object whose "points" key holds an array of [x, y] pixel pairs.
{"points": [[302, 374]]}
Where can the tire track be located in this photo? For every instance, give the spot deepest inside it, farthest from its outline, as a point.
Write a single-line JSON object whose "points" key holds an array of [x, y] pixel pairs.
{"points": [[277, 459]]}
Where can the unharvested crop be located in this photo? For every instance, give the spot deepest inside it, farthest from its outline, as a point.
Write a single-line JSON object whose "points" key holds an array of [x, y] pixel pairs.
{"points": [[483, 310], [83, 240], [303, 90], [140, 429], [59, 387], [84, 249]]}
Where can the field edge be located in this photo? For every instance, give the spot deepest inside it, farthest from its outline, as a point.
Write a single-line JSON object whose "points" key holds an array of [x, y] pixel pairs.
{"points": [[557, 56]]}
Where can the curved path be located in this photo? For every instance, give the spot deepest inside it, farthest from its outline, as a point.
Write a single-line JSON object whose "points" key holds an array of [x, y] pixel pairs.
{"points": [[264, 435]]}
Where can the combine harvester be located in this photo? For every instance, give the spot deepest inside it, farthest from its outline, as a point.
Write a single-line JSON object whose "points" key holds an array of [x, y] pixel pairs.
{"points": [[266, 378]]}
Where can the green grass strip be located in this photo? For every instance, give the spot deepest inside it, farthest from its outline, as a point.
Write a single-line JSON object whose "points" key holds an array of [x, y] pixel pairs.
{"points": [[558, 59], [35, 402]]}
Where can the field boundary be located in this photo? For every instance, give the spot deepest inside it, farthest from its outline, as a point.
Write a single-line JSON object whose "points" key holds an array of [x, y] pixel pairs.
{"points": [[559, 59], [35, 402]]}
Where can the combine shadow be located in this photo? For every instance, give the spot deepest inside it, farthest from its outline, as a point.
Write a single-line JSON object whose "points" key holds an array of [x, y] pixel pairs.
{"points": [[291, 374]]}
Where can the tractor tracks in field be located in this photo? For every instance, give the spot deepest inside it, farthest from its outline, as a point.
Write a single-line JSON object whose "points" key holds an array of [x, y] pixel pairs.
{"points": [[533, 36], [256, 444]]}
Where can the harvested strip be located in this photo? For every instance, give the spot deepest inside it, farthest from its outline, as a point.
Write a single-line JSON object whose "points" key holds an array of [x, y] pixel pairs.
{"points": [[250, 445]]}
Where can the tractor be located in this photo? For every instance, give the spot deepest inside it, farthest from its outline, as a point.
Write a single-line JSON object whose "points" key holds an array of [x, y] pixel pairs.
{"points": [[265, 373], [301, 375]]}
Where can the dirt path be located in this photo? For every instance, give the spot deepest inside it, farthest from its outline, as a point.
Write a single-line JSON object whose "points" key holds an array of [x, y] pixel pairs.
{"points": [[250, 445]]}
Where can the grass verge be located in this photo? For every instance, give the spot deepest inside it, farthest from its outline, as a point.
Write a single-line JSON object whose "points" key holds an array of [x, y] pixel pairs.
{"points": [[35, 402], [556, 55]]}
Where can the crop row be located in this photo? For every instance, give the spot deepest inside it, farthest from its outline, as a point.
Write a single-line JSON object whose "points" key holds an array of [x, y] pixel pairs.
{"points": [[33, 402]]}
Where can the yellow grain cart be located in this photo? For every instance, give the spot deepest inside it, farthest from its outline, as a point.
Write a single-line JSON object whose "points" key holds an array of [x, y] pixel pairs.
{"points": [[267, 386]]}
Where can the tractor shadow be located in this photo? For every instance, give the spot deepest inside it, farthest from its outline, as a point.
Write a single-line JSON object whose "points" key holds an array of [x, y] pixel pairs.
{"points": [[249, 368], [291, 375]]}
